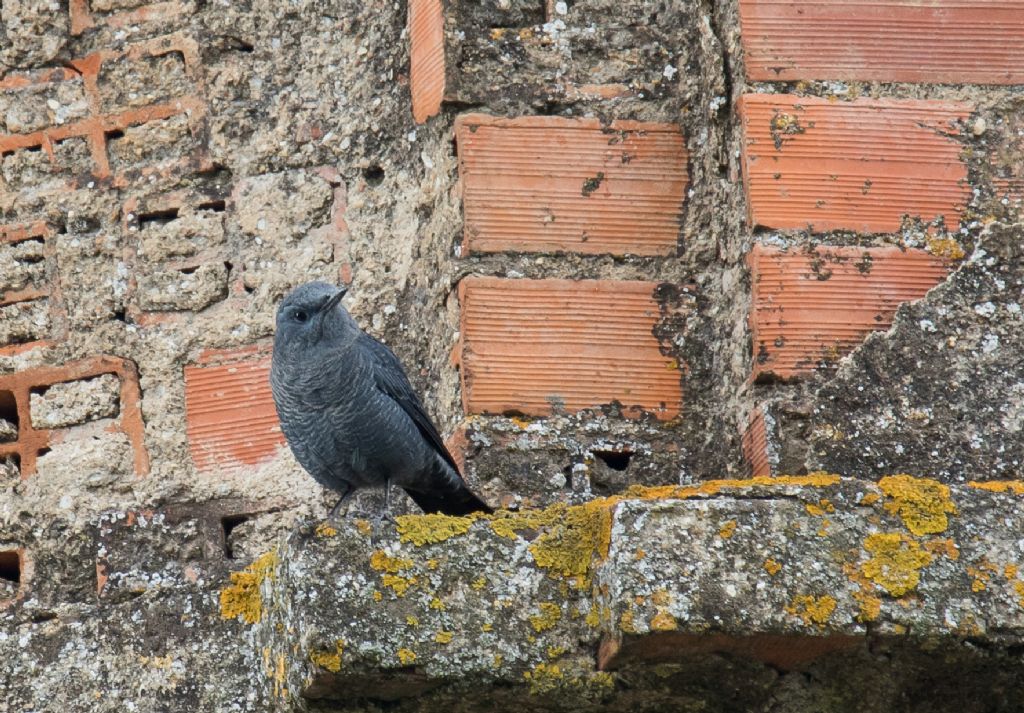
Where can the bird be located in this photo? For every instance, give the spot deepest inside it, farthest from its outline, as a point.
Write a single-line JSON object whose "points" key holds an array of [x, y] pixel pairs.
{"points": [[349, 413]]}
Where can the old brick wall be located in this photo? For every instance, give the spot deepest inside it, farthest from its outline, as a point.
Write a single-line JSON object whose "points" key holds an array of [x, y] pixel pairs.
{"points": [[615, 244]]}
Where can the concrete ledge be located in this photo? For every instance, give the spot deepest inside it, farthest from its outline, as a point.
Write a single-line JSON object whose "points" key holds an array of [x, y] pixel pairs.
{"points": [[658, 597]]}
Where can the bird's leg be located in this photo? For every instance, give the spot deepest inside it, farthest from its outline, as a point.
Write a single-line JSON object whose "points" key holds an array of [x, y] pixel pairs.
{"points": [[333, 514], [385, 514]]}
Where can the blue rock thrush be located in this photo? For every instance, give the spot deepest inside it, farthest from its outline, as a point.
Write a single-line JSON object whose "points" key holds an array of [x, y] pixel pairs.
{"points": [[349, 413]]}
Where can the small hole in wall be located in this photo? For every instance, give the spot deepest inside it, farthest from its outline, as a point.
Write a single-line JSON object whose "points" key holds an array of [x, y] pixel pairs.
{"points": [[121, 315], [227, 524], [10, 566], [374, 175], [115, 134], [215, 206], [157, 217], [9, 414], [42, 452], [616, 460]]}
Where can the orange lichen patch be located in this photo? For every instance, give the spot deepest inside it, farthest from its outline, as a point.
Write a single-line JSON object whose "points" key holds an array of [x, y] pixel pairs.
{"points": [[896, 562], [858, 165], [946, 248], [230, 417], [728, 529], [943, 547], [1015, 487], [325, 530], [626, 623], [869, 499], [663, 621], [935, 41], [426, 58], [713, 487], [546, 183], [591, 343], [811, 609], [772, 567], [922, 503], [820, 509], [443, 637], [406, 657], [330, 660], [242, 597], [383, 562], [812, 307]]}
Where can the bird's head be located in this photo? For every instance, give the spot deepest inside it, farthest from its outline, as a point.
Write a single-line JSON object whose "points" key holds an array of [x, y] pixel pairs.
{"points": [[310, 314]]}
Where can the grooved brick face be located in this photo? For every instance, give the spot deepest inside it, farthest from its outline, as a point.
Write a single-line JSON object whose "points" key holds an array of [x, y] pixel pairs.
{"points": [[811, 308], [539, 346], [544, 183], [754, 444], [426, 58], [861, 165], [230, 415], [939, 41]]}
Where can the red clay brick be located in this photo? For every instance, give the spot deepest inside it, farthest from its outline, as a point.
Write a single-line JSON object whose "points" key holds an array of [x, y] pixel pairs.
{"points": [[531, 346], [811, 308], [426, 58], [15, 392], [861, 165], [230, 415], [99, 125], [754, 444], [542, 183], [939, 41], [38, 290]]}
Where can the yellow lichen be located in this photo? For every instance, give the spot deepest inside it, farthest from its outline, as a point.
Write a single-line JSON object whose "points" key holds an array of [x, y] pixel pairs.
{"points": [[869, 499], [443, 637], [896, 562], [1015, 487], [412, 620], [498, 660], [242, 597], [383, 562], [626, 622], [544, 678], [549, 615], [639, 554], [922, 503], [728, 529], [400, 585], [664, 621], [772, 567], [593, 619], [330, 660], [436, 603], [945, 248], [433, 528], [661, 597], [554, 652], [325, 530], [406, 657], [479, 583], [377, 596], [364, 526], [487, 627], [432, 564], [1010, 571], [811, 609]]}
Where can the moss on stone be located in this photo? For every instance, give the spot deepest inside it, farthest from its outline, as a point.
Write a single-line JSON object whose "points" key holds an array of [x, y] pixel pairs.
{"points": [[922, 503], [242, 597]]}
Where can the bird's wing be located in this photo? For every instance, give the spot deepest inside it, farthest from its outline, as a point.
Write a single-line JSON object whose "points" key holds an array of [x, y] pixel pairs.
{"points": [[391, 380]]}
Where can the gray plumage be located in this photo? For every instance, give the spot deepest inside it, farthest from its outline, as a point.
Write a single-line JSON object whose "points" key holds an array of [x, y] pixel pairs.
{"points": [[348, 411]]}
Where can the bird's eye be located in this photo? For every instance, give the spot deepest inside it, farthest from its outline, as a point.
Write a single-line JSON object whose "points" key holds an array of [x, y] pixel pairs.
{"points": [[300, 316]]}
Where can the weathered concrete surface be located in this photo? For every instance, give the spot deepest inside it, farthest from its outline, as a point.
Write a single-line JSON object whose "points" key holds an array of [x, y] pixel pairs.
{"points": [[781, 594]]}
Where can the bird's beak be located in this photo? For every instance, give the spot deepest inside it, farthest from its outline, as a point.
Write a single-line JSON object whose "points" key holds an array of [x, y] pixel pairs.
{"points": [[333, 302]]}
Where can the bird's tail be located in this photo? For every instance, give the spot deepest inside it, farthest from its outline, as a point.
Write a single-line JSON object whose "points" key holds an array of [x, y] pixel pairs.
{"points": [[454, 500]]}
